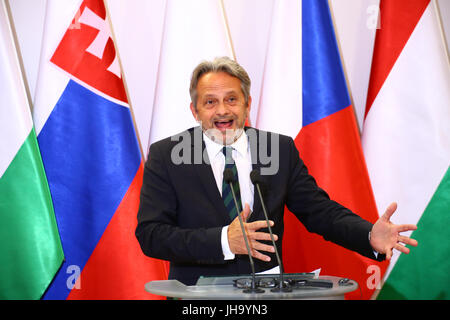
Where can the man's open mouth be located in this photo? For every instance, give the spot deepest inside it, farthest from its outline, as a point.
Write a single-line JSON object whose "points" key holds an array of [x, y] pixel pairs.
{"points": [[224, 124]]}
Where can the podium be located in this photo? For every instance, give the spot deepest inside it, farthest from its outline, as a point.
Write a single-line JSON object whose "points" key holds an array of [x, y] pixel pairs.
{"points": [[304, 286]]}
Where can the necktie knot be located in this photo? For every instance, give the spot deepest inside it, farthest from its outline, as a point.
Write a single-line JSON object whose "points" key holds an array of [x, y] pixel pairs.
{"points": [[227, 152]]}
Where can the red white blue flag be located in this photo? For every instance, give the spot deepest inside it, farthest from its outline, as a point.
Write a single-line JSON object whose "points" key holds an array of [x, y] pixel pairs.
{"points": [[91, 157], [305, 96]]}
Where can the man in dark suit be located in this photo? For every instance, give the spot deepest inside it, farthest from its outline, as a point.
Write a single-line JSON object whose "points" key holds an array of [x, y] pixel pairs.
{"points": [[186, 215]]}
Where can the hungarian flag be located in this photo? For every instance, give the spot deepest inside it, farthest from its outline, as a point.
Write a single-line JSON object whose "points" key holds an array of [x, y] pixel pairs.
{"points": [[406, 141], [304, 95], [30, 248], [91, 156]]}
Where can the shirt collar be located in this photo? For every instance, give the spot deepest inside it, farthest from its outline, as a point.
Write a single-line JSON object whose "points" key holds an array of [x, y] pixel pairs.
{"points": [[240, 145]]}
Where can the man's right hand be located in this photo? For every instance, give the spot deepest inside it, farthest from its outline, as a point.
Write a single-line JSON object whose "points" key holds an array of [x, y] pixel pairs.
{"points": [[236, 239]]}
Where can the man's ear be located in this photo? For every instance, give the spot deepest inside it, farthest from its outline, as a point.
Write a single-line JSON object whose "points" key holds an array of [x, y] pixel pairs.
{"points": [[194, 112], [249, 104]]}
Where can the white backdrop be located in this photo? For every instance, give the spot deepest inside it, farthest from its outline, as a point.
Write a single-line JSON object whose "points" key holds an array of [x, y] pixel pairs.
{"points": [[138, 28]]}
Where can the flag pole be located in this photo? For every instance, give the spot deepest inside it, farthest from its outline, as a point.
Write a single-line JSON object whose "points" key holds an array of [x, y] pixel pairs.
{"points": [[227, 28], [230, 42], [108, 17], [13, 32], [437, 11]]}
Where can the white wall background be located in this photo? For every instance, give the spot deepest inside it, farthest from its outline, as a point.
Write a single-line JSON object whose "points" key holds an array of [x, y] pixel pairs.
{"points": [[138, 27]]}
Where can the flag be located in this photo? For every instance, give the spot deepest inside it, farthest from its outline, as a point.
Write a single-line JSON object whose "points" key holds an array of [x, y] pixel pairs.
{"points": [[91, 156], [406, 141], [304, 95], [30, 248], [193, 31]]}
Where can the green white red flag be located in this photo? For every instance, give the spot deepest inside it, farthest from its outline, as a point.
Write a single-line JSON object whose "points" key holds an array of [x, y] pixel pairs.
{"points": [[406, 141]]}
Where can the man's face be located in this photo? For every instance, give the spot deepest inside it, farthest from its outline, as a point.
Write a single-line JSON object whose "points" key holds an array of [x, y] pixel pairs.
{"points": [[221, 107]]}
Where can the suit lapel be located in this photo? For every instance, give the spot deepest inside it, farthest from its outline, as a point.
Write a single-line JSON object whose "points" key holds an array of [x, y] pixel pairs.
{"points": [[253, 135]]}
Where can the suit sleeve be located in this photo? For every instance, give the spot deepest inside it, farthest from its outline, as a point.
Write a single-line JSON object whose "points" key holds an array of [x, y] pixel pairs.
{"points": [[157, 231], [313, 207]]}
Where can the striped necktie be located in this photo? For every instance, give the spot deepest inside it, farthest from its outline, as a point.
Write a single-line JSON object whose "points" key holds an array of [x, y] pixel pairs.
{"points": [[227, 196]]}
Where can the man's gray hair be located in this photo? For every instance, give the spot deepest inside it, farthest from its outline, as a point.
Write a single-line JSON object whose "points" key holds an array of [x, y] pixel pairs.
{"points": [[222, 64]]}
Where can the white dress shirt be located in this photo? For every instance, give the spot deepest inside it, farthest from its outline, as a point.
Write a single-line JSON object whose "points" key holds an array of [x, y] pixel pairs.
{"points": [[242, 157]]}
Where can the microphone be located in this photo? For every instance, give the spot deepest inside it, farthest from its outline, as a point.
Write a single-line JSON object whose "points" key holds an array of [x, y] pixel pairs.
{"points": [[255, 177], [228, 177]]}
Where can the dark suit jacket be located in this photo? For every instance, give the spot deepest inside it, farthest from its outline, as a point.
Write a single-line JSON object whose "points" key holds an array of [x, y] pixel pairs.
{"points": [[181, 212]]}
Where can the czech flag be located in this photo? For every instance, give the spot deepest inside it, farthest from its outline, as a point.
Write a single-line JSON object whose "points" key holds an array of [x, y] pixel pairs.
{"points": [[305, 96]]}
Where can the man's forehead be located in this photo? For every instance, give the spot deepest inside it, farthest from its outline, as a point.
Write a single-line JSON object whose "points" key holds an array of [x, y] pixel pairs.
{"points": [[210, 93], [218, 81], [218, 76]]}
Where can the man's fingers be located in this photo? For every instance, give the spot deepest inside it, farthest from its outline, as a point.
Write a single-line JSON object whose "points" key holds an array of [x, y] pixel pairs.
{"points": [[256, 225], [257, 247], [408, 241], [255, 237], [390, 211], [262, 236], [401, 248], [388, 254], [262, 247], [406, 227], [258, 255]]}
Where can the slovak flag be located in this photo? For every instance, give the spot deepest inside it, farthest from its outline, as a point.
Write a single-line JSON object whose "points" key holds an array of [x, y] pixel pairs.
{"points": [[91, 157]]}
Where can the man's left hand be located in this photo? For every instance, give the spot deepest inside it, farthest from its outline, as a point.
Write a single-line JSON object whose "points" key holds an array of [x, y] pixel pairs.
{"points": [[385, 236]]}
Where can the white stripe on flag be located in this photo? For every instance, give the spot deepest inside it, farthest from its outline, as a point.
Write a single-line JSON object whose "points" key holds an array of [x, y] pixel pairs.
{"points": [[51, 81], [15, 118], [193, 31], [281, 92]]}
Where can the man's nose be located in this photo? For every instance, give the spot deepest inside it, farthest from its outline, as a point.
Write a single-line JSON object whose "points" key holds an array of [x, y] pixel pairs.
{"points": [[222, 108]]}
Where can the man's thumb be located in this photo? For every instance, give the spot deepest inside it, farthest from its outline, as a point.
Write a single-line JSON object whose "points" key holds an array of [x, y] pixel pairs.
{"points": [[246, 212]]}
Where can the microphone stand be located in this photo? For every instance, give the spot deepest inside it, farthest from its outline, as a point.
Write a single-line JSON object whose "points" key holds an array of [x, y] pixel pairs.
{"points": [[253, 288], [254, 177]]}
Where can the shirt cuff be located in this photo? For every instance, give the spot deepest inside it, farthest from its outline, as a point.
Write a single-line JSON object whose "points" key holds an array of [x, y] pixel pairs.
{"points": [[375, 253], [227, 254]]}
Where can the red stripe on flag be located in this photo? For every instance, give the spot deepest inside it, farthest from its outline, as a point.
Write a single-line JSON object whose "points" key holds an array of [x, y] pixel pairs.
{"points": [[117, 269], [332, 151], [398, 18]]}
